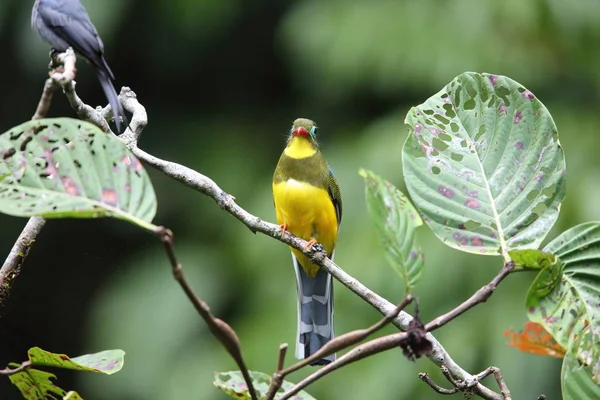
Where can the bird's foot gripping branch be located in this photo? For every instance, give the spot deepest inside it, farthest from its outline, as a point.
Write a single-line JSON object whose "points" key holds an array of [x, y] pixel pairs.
{"points": [[484, 170]]}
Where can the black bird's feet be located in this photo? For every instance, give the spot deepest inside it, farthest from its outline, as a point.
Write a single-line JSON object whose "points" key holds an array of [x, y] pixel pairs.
{"points": [[314, 246], [53, 61]]}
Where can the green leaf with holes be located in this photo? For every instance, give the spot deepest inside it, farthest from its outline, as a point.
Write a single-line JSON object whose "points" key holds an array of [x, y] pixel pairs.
{"points": [[484, 166], [67, 168], [107, 362], [396, 221], [233, 384], [565, 299], [36, 384]]}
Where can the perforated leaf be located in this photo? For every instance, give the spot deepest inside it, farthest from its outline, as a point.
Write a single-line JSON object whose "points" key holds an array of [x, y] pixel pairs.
{"points": [[67, 168], [484, 166], [35, 384], [567, 304], [395, 220], [233, 384], [107, 362]]}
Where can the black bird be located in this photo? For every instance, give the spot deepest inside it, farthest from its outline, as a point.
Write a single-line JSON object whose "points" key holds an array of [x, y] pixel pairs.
{"points": [[64, 24]]}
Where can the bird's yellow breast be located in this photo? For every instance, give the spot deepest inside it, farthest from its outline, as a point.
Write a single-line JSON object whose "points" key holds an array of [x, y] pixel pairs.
{"points": [[308, 212]]}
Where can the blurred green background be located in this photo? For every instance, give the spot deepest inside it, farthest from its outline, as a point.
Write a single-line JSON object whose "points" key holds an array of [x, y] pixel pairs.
{"points": [[222, 81]]}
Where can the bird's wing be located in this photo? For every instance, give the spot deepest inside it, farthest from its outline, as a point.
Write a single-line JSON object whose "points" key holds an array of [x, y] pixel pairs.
{"points": [[73, 25], [334, 193]]}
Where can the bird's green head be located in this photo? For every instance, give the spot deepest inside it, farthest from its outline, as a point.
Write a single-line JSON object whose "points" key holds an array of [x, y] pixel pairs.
{"points": [[304, 128]]}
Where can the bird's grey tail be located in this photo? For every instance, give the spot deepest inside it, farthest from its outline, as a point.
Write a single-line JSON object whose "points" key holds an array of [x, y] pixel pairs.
{"points": [[105, 78], [315, 313]]}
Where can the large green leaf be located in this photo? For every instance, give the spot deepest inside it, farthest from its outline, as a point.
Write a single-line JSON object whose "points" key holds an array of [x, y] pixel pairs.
{"points": [[61, 168], [233, 384], [484, 166], [567, 304], [395, 220]]}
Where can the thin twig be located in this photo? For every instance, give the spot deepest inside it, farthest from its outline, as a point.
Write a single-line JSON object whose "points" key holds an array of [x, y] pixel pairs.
{"points": [[480, 296], [219, 328], [277, 379], [281, 360], [427, 379], [8, 371]]}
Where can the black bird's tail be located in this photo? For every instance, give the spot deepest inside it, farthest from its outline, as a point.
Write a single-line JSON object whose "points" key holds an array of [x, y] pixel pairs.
{"points": [[105, 76]]}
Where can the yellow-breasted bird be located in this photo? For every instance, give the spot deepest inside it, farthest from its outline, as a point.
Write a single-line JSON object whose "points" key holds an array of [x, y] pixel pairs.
{"points": [[308, 204]]}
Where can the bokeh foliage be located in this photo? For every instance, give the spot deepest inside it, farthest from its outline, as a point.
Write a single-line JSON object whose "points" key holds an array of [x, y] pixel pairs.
{"points": [[222, 82]]}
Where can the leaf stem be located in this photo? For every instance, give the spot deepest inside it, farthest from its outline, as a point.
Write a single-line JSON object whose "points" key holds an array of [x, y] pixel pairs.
{"points": [[11, 371]]}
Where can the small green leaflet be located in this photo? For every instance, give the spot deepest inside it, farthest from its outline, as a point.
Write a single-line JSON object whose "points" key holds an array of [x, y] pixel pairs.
{"points": [[395, 220], [531, 259]]}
